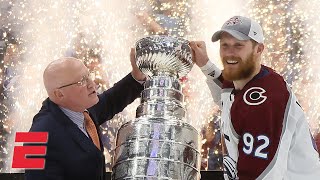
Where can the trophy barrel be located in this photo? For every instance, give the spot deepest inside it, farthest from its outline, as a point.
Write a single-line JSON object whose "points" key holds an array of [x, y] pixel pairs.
{"points": [[157, 149]]}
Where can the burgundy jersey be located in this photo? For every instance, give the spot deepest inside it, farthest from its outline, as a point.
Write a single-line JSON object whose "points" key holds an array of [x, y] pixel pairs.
{"points": [[265, 131]]}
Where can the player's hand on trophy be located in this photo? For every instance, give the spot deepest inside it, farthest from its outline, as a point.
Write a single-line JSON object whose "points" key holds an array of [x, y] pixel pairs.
{"points": [[136, 73], [199, 53]]}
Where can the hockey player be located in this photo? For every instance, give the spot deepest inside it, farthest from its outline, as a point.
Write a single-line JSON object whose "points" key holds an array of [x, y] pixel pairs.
{"points": [[264, 128]]}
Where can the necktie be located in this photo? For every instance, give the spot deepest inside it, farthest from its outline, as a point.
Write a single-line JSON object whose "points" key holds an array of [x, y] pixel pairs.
{"points": [[91, 129]]}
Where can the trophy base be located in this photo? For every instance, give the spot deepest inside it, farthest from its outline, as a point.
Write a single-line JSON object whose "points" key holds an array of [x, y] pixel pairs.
{"points": [[156, 148]]}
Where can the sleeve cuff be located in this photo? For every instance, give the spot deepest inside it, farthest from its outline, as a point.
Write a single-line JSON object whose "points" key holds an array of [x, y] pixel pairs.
{"points": [[210, 70], [141, 82]]}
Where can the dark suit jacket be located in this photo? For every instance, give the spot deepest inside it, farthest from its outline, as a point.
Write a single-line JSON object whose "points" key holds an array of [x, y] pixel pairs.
{"points": [[71, 155]]}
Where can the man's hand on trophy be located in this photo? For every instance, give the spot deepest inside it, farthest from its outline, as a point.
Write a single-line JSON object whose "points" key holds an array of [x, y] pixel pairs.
{"points": [[199, 53], [136, 73]]}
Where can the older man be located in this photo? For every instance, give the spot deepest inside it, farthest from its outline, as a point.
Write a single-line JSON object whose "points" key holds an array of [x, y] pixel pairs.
{"points": [[72, 115]]}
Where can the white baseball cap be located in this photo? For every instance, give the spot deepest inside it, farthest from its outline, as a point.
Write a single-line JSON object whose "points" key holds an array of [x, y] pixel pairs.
{"points": [[241, 28]]}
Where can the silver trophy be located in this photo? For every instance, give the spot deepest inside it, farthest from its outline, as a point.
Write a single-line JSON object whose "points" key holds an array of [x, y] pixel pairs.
{"points": [[159, 144]]}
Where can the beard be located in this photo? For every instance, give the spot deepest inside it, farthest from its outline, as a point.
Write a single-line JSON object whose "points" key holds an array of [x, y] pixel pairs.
{"points": [[244, 70]]}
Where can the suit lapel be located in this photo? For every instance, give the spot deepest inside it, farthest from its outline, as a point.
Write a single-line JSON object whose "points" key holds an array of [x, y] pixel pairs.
{"points": [[79, 137], [76, 134]]}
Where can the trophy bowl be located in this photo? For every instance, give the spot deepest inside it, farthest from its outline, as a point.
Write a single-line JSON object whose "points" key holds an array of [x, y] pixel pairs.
{"points": [[156, 55]]}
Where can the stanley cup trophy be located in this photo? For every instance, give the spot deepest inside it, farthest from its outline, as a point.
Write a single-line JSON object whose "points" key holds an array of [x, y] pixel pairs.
{"points": [[159, 144]]}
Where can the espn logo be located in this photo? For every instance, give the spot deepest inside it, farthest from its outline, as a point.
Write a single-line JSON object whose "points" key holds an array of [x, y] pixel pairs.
{"points": [[20, 153]]}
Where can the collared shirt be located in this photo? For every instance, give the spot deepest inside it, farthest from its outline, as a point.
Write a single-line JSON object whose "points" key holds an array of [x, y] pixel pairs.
{"points": [[77, 118]]}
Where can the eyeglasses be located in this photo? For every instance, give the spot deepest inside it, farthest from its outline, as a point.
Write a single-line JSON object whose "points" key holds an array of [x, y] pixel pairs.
{"points": [[83, 82]]}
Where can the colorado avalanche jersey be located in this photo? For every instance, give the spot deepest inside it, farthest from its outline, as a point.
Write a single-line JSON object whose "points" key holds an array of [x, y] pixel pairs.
{"points": [[265, 131]]}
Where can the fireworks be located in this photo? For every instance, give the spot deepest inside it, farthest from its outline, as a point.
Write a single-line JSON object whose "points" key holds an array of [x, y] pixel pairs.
{"points": [[46, 30]]}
